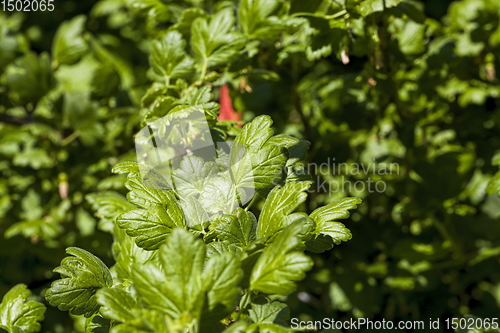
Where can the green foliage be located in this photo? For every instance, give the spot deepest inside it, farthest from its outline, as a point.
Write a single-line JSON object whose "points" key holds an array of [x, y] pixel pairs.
{"points": [[412, 83], [82, 275], [267, 158], [168, 58], [64, 113], [69, 45], [160, 214], [29, 78], [213, 42], [280, 264], [18, 315], [324, 216], [186, 281]]}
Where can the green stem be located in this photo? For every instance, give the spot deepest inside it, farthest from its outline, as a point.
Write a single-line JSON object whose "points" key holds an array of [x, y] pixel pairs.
{"points": [[251, 202], [70, 138], [204, 69], [235, 197]]}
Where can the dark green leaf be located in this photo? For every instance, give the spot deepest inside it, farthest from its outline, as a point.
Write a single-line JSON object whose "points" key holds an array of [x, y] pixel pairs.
{"points": [[82, 275]]}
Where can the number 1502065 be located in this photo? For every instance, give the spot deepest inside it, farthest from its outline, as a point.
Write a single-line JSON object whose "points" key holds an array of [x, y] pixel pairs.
{"points": [[27, 5]]}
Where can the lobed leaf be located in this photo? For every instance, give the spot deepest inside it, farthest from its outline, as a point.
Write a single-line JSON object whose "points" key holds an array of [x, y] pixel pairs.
{"points": [[82, 275], [268, 312], [187, 286], [339, 209], [168, 58], [281, 263], [150, 227], [17, 315], [117, 304], [212, 42], [279, 204], [68, 45], [238, 229]]}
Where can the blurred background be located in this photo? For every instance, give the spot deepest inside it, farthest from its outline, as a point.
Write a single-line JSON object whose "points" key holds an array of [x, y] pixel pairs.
{"points": [[413, 83]]}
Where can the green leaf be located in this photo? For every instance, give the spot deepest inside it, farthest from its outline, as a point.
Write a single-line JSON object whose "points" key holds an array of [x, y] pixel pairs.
{"points": [[369, 7], [82, 275], [267, 157], [177, 288], [183, 25], [108, 206], [157, 10], [221, 276], [29, 78], [117, 304], [192, 176], [238, 229], [255, 134], [265, 311], [126, 168], [319, 244], [168, 58], [253, 18], [17, 315], [146, 196], [196, 216], [221, 195], [127, 254], [268, 168], [182, 259], [196, 96], [68, 45], [411, 37], [279, 204], [268, 328], [494, 184], [186, 286], [216, 248], [156, 92], [33, 157], [9, 44], [112, 59], [150, 227], [81, 113], [237, 327], [339, 209], [213, 42], [97, 324], [281, 264], [39, 228]]}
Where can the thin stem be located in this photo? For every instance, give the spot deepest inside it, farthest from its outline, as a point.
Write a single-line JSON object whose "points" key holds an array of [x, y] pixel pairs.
{"points": [[233, 200], [73, 136], [204, 69], [251, 202]]}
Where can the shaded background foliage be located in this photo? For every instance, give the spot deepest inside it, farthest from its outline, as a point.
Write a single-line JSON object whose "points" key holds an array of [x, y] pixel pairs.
{"points": [[412, 83]]}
